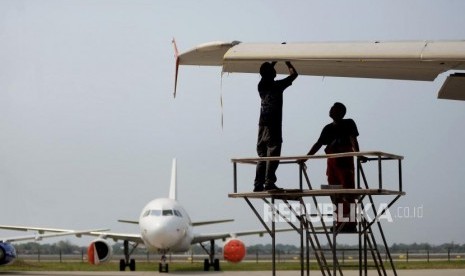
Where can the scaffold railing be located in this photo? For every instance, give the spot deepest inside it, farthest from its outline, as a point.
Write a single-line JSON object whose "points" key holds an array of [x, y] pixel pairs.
{"points": [[314, 232]]}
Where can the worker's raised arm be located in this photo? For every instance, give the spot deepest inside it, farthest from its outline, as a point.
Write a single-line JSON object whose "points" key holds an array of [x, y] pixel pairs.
{"points": [[292, 70]]}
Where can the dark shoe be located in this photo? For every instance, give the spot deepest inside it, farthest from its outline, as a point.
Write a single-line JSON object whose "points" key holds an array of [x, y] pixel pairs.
{"points": [[258, 188], [350, 228], [271, 187], [347, 228]]}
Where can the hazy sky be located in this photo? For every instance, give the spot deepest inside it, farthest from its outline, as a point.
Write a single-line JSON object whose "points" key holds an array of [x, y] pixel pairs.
{"points": [[88, 123]]}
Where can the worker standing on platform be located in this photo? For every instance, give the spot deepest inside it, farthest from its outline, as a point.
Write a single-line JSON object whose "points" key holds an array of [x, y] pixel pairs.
{"points": [[340, 136], [270, 123]]}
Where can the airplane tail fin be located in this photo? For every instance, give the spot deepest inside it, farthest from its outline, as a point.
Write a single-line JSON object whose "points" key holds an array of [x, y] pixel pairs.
{"points": [[173, 193]]}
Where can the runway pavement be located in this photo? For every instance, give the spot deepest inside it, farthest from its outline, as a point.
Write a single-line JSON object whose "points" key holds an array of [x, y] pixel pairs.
{"points": [[419, 272]]}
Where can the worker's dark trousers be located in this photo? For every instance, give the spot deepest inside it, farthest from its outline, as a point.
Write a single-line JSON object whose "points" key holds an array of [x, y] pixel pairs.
{"points": [[268, 144]]}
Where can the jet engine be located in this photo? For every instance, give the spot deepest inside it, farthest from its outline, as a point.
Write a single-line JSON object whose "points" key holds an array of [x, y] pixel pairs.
{"points": [[234, 250], [7, 253], [99, 251]]}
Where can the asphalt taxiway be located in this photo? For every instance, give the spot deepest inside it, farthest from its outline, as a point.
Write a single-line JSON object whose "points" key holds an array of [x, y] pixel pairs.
{"points": [[416, 272]]}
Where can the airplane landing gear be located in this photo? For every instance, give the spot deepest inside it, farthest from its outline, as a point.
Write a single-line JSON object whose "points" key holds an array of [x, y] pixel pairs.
{"points": [[207, 263], [123, 263], [163, 265]]}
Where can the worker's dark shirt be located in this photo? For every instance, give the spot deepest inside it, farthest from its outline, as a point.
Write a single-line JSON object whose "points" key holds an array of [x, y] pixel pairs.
{"points": [[271, 94], [336, 137]]}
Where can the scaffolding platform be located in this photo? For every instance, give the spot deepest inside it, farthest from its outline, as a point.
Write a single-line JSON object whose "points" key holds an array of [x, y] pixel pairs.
{"points": [[312, 224], [291, 193]]}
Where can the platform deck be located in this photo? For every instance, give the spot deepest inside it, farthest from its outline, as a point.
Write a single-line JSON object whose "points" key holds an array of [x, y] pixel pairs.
{"points": [[293, 193]]}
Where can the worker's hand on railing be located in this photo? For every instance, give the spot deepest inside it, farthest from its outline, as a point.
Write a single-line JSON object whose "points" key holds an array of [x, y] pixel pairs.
{"points": [[362, 159]]}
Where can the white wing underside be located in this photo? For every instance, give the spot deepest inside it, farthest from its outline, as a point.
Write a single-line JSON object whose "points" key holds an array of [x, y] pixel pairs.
{"points": [[403, 60]]}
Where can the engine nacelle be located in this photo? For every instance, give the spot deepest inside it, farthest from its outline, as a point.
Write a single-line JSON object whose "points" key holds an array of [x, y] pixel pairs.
{"points": [[234, 250], [7, 253], [99, 251]]}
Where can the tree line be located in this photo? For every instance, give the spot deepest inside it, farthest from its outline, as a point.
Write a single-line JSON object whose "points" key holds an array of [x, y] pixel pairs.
{"points": [[66, 247]]}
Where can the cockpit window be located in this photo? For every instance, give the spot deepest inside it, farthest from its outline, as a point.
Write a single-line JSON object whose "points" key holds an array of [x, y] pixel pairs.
{"points": [[155, 213], [167, 212], [177, 213]]}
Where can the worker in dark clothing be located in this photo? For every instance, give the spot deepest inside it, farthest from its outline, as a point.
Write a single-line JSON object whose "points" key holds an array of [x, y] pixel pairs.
{"points": [[269, 126], [340, 136]]}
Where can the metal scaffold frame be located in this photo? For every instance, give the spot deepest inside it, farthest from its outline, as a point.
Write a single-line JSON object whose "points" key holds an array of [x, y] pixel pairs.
{"points": [[313, 227]]}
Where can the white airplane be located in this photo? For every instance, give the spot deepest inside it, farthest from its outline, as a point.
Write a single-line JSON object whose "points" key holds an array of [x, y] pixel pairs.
{"points": [[8, 251], [165, 227], [401, 60]]}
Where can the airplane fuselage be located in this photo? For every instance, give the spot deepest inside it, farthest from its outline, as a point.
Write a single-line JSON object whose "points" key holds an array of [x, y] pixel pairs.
{"points": [[165, 226]]}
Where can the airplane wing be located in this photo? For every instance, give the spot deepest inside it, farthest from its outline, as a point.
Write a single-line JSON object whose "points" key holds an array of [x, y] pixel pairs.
{"points": [[63, 232], [401, 60], [199, 223], [118, 236], [128, 221], [77, 233], [216, 236]]}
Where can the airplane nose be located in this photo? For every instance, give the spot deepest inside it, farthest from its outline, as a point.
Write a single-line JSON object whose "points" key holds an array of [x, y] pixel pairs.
{"points": [[162, 236]]}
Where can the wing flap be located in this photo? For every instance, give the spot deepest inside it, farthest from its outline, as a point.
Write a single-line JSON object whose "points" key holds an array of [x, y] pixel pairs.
{"points": [[338, 68], [453, 88]]}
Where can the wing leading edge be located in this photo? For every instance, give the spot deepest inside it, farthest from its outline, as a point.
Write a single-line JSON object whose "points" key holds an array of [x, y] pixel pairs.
{"points": [[56, 232], [38, 237], [402, 60]]}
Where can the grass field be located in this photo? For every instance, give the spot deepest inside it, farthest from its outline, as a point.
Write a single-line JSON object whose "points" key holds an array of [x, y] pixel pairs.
{"points": [[21, 265]]}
